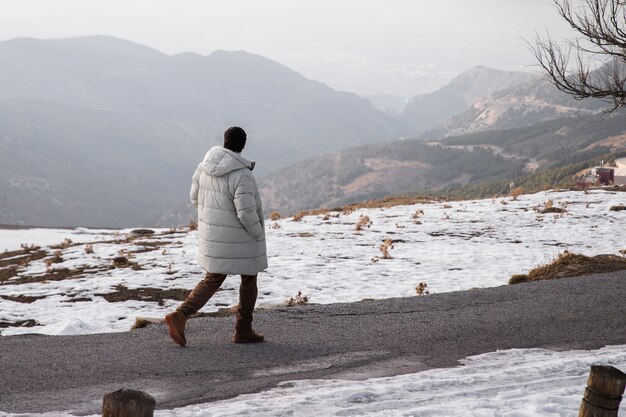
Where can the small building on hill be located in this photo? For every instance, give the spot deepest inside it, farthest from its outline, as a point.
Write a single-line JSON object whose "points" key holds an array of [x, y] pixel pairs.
{"points": [[600, 176]]}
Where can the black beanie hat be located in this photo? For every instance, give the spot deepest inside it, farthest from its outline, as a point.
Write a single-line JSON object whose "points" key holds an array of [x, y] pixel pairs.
{"points": [[235, 139]]}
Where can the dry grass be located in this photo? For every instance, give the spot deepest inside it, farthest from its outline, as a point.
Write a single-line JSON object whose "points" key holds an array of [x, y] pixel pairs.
{"points": [[193, 225], [274, 215], [298, 216], [88, 248], [385, 247], [63, 245], [422, 289], [364, 222], [516, 192], [569, 264], [381, 203], [299, 300], [549, 207], [57, 257]]}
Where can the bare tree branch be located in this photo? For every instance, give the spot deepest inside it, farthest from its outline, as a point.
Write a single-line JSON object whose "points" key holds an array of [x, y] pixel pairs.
{"points": [[602, 28]]}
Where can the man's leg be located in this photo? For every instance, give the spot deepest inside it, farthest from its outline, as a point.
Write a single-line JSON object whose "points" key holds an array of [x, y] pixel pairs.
{"points": [[247, 299], [198, 297]]}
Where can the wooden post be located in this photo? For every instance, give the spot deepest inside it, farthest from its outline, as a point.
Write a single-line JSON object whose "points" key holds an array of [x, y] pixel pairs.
{"points": [[603, 393], [128, 403]]}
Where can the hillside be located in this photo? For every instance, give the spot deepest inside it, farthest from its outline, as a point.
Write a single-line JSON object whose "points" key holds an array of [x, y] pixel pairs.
{"points": [[97, 116], [415, 166], [427, 111], [524, 104]]}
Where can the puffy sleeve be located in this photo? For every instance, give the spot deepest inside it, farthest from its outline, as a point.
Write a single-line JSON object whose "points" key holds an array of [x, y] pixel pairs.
{"points": [[195, 186], [246, 205]]}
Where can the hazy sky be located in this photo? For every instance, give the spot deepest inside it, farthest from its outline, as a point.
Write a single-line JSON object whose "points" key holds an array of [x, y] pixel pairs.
{"points": [[400, 47]]}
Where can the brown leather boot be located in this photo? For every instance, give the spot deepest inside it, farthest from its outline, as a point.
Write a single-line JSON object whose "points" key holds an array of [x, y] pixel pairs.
{"points": [[247, 299], [176, 327], [198, 297]]}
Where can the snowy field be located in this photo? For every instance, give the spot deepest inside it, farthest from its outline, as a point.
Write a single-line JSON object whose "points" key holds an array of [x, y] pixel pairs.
{"points": [[450, 246]]}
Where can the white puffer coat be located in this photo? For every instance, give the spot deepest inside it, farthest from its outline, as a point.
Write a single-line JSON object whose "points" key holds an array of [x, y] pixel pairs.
{"points": [[231, 232]]}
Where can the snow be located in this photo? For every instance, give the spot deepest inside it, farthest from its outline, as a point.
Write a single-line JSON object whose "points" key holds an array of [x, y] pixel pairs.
{"points": [[511, 383], [451, 246], [514, 383], [455, 246]]}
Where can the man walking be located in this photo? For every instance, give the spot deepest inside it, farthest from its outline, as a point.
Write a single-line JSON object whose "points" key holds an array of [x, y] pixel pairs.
{"points": [[231, 234]]}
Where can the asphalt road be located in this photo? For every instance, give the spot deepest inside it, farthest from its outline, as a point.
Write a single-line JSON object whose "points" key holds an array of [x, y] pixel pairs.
{"points": [[357, 340]]}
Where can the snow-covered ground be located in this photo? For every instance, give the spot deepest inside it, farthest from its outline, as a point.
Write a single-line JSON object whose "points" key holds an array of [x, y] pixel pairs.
{"points": [[451, 246]]}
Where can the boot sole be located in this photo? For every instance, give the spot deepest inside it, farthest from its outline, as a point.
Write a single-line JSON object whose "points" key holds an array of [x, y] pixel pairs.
{"points": [[249, 340]]}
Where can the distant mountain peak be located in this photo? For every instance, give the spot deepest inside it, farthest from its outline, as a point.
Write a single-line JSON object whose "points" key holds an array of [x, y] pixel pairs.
{"points": [[429, 110]]}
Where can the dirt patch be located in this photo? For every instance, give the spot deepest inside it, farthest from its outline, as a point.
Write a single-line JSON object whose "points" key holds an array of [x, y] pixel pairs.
{"points": [[21, 298], [122, 293], [19, 323], [557, 210], [8, 273], [149, 246], [55, 274], [22, 256], [570, 264]]}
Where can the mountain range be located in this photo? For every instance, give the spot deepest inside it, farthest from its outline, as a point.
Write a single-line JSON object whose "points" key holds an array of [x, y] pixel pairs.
{"points": [[103, 132], [99, 131], [417, 166]]}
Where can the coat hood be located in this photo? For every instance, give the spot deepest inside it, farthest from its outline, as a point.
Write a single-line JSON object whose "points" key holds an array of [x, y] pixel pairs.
{"points": [[220, 161]]}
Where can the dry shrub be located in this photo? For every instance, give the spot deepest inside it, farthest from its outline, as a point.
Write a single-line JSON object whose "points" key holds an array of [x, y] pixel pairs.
{"points": [[447, 206], [568, 264], [275, 225], [193, 225], [274, 215], [364, 222], [299, 300], [400, 226], [347, 210], [29, 248], [517, 278], [548, 208], [422, 289], [618, 208], [66, 243], [120, 261], [298, 216], [516, 192], [57, 257], [417, 214], [88, 248], [326, 217], [385, 247]]}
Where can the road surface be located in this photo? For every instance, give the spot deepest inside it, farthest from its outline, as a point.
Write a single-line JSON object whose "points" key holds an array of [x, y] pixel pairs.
{"points": [[357, 340]]}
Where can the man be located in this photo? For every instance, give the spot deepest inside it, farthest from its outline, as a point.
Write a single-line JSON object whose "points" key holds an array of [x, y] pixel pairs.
{"points": [[231, 234]]}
